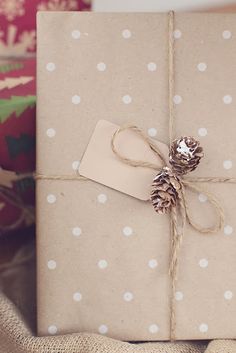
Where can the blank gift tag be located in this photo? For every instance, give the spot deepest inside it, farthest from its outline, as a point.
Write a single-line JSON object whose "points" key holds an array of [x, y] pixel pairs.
{"points": [[100, 164]]}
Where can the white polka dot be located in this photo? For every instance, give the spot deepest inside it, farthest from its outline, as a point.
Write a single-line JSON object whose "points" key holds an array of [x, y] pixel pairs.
{"points": [[76, 231], [152, 131], [228, 295], [227, 99], [51, 132], [52, 330], [202, 67], [177, 34], [152, 66], [226, 34], [152, 263], [102, 264], [51, 198], [127, 231], [179, 296], [202, 131], [177, 99], [76, 99], [203, 263], [127, 99], [102, 198], [75, 34], [101, 66], [153, 328], [203, 328], [77, 297], [202, 198], [126, 33], [128, 296], [52, 264], [75, 165], [227, 164], [103, 329], [228, 230], [50, 67]]}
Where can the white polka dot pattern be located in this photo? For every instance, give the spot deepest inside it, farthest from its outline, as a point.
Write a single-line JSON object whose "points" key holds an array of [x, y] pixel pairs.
{"points": [[51, 198], [152, 132], [102, 264], [126, 33], [228, 295], [76, 99], [103, 329], [227, 164], [153, 328], [202, 67], [51, 67], [75, 165], [128, 296], [202, 132], [76, 231], [75, 34], [152, 66], [102, 198], [127, 231], [52, 264], [202, 198], [127, 99], [177, 34], [179, 296], [52, 330], [203, 263], [227, 99], [101, 66], [51, 132], [203, 328], [228, 230], [77, 297], [177, 99], [226, 34], [152, 263]]}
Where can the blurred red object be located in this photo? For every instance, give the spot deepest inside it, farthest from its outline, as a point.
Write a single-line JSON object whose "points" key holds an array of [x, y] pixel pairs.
{"points": [[17, 143], [18, 22]]}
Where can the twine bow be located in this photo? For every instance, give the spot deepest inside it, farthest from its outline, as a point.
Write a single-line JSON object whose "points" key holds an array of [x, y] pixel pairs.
{"points": [[179, 213]]}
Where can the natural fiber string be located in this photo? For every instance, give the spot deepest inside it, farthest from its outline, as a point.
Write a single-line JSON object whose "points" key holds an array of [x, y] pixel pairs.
{"points": [[175, 240], [171, 73]]}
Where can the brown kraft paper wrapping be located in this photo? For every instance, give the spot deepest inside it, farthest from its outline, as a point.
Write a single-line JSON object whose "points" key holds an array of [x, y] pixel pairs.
{"points": [[103, 256]]}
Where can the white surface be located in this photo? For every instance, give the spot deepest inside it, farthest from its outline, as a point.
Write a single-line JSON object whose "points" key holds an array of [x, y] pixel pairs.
{"points": [[156, 5]]}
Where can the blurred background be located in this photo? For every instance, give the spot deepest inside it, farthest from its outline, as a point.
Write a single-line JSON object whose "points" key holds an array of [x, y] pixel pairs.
{"points": [[17, 124]]}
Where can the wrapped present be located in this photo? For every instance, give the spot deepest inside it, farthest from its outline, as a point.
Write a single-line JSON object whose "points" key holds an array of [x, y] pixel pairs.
{"points": [[18, 22], [17, 140], [124, 99]]}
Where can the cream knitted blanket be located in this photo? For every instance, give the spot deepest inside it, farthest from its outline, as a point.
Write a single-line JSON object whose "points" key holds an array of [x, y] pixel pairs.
{"points": [[16, 334]]}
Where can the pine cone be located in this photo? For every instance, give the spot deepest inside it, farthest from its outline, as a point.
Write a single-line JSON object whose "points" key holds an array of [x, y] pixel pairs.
{"points": [[164, 193], [185, 155]]}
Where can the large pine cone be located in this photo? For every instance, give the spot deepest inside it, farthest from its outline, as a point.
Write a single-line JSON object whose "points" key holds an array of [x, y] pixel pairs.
{"points": [[185, 155], [164, 193]]}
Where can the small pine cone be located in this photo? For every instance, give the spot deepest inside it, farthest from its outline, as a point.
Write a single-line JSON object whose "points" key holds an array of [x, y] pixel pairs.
{"points": [[164, 193], [185, 155]]}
